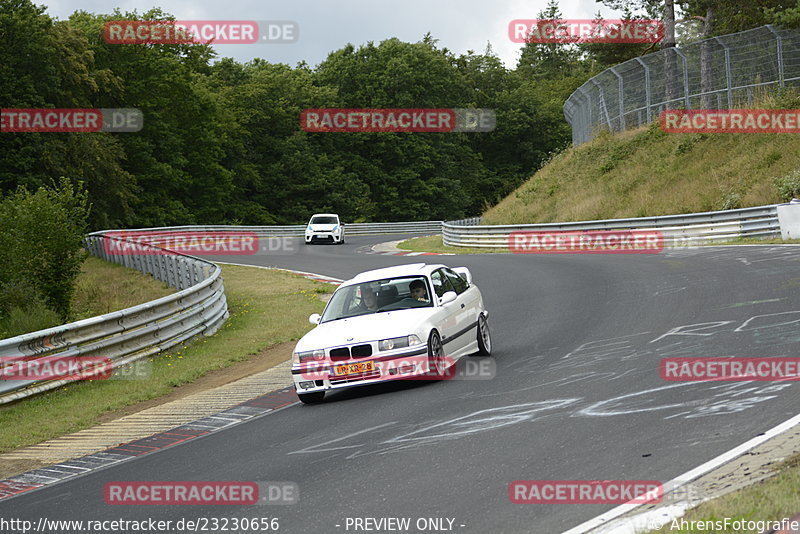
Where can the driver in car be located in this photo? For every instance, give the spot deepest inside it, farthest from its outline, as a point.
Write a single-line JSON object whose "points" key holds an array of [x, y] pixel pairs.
{"points": [[418, 291], [369, 298]]}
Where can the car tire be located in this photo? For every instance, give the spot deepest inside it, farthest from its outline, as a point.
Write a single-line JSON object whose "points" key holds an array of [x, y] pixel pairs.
{"points": [[435, 355], [311, 398], [484, 337]]}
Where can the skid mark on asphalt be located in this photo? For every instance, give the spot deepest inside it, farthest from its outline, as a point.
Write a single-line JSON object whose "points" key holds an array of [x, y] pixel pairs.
{"points": [[430, 433]]}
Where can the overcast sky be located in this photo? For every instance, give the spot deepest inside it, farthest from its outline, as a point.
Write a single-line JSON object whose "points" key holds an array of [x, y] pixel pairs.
{"points": [[327, 25]]}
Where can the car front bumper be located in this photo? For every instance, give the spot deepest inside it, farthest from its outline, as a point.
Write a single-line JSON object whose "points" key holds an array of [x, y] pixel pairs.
{"points": [[323, 236], [406, 365]]}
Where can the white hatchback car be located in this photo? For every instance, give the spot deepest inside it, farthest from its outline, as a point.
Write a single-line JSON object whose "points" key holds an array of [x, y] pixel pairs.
{"points": [[324, 227], [410, 321]]}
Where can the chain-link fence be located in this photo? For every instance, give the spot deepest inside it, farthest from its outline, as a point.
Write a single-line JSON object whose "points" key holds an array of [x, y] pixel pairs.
{"points": [[718, 73]]}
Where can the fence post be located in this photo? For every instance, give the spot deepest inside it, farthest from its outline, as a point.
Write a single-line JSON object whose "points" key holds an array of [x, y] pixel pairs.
{"points": [[685, 78], [647, 95], [620, 99], [587, 131], [779, 42], [601, 104], [728, 75]]}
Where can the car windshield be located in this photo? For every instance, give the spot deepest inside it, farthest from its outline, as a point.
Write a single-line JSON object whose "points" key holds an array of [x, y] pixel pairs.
{"points": [[324, 220], [378, 296]]}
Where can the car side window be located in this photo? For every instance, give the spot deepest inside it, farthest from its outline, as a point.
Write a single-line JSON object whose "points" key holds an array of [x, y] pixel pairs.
{"points": [[441, 284], [459, 284]]}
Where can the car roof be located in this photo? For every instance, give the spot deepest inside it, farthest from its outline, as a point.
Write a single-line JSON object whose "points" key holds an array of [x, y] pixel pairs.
{"points": [[410, 269], [324, 215]]}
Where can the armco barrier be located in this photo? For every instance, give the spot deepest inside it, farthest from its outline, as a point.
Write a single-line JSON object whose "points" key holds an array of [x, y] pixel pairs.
{"points": [[199, 307], [678, 230], [298, 230]]}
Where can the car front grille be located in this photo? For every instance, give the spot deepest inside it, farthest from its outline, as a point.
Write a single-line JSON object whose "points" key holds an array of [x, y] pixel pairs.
{"points": [[362, 351], [340, 354], [345, 353]]}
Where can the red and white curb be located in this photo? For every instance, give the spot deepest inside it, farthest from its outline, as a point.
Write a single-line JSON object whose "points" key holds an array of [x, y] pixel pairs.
{"points": [[46, 476]]}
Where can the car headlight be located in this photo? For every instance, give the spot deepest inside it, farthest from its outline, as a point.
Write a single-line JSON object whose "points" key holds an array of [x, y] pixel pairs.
{"points": [[309, 230], [309, 356], [399, 342]]}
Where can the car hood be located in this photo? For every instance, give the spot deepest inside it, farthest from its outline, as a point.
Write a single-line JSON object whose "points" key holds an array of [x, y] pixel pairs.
{"points": [[322, 227], [363, 328]]}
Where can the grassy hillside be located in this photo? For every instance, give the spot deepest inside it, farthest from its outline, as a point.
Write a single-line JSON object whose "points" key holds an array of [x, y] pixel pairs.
{"points": [[647, 172]]}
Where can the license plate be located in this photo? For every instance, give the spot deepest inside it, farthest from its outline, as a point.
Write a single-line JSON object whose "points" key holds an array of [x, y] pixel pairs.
{"points": [[353, 368]]}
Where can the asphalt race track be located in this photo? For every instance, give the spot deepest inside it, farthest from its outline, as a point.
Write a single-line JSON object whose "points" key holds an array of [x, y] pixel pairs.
{"points": [[577, 395]]}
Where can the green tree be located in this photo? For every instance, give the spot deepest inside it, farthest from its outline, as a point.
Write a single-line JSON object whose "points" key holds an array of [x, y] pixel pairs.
{"points": [[41, 235]]}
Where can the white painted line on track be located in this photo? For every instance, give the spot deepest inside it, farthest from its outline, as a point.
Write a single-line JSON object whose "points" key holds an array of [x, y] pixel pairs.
{"points": [[602, 524]]}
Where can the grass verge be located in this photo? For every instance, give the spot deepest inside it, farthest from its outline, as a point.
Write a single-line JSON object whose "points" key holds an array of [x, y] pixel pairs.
{"points": [[769, 500], [101, 287], [266, 308], [646, 172]]}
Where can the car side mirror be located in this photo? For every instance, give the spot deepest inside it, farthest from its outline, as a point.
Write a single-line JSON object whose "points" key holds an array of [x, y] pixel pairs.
{"points": [[314, 318], [448, 297]]}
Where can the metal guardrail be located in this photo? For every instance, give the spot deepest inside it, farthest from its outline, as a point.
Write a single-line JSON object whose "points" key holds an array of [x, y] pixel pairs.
{"points": [[200, 307], [298, 230], [718, 73], [678, 230], [125, 336]]}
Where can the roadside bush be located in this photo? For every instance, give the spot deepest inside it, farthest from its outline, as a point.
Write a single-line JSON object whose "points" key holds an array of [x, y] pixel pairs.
{"points": [[41, 235], [789, 185]]}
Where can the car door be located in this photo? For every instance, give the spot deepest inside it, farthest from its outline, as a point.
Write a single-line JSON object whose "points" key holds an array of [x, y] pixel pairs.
{"points": [[466, 309], [452, 314]]}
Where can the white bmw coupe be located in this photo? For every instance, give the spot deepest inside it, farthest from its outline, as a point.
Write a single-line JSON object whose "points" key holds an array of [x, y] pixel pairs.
{"points": [[410, 321]]}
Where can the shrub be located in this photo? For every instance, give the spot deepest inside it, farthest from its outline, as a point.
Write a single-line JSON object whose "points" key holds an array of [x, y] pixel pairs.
{"points": [[41, 235], [789, 185]]}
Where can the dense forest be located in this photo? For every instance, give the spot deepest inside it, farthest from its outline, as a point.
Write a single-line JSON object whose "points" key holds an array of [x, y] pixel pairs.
{"points": [[222, 142]]}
